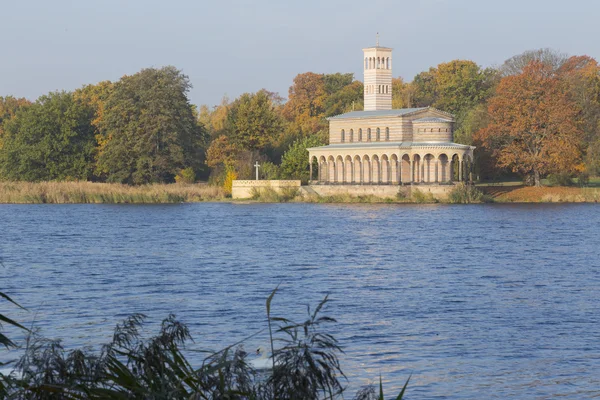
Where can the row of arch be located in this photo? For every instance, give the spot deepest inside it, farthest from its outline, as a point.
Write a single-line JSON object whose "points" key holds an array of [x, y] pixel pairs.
{"points": [[381, 169], [378, 63], [368, 136], [377, 89]]}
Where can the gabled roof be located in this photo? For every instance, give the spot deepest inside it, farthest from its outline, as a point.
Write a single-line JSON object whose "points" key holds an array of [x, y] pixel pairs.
{"points": [[377, 113], [431, 119], [400, 112]]}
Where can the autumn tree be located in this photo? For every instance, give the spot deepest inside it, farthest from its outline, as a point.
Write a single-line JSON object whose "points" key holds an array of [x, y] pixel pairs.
{"points": [[149, 128], [533, 126], [402, 93], [53, 139], [582, 75]]}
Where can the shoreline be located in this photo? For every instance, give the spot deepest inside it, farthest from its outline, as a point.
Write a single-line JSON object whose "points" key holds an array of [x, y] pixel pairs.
{"points": [[112, 193]]}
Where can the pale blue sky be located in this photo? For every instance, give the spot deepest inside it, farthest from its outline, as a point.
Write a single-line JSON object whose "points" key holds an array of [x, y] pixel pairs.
{"points": [[236, 46]]}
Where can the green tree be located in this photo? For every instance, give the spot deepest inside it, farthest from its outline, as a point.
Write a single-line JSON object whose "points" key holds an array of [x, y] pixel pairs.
{"points": [[149, 128], [253, 121], [9, 106], [294, 163], [52, 139]]}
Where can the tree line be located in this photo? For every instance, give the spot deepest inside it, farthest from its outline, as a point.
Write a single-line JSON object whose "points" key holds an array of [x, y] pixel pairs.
{"points": [[538, 114]]}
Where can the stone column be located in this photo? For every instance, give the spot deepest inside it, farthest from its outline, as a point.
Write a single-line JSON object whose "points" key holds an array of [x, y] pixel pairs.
{"points": [[460, 170], [310, 176], [412, 171], [437, 171], [422, 161], [399, 172]]}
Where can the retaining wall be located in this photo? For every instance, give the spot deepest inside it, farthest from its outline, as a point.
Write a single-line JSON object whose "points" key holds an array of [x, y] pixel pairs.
{"points": [[384, 191], [243, 189]]}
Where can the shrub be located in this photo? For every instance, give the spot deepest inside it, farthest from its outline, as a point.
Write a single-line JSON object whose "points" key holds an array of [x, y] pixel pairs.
{"points": [[230, 176], [465, 194], [186, 175], [560, 179], [583, 179], [421, 197], [270, 195]]}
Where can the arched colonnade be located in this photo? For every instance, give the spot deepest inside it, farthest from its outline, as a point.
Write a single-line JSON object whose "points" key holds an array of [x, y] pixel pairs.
{"points": [[385, 169]]}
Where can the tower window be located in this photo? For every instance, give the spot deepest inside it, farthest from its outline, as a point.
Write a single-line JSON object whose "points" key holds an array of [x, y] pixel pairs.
{"points": [[360, 135], [368, 134], [351, 135], [343, 136], [378, 135], [387, 134]]}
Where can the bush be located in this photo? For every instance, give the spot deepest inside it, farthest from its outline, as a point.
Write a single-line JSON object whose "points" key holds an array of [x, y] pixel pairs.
{"points": [[230, 176], [465, 194], [560, 179], [583, 179], [270, 195], [421, 198], [186, 175]]}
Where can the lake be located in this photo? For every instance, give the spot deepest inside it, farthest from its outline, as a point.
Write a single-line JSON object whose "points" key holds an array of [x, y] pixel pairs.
{"points": [[481, 301]]}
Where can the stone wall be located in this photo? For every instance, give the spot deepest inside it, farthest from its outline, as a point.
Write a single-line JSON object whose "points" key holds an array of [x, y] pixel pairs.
{"points": [[383, 191], [243, 189]]}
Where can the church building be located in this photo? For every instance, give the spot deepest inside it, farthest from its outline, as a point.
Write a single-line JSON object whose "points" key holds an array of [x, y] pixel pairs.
{"points": [[385, 146]]}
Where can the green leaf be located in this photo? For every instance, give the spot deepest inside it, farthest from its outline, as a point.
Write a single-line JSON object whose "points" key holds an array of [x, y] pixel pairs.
{"points": [[401, 395]]}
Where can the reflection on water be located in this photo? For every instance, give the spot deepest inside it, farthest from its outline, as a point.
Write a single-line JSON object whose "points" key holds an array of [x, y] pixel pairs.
{"points": [[498, 299]]}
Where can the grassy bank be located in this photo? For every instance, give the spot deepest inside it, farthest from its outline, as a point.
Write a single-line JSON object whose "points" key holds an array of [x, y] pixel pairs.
{"points": [[89, 192], [544, 194], [112, 193]]}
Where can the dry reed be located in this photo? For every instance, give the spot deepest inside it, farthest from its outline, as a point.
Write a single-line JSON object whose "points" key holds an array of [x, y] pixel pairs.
{"points": [[90, 192]]}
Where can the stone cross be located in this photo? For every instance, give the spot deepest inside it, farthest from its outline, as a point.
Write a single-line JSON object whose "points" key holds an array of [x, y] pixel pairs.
{"points": [[256, 166]]}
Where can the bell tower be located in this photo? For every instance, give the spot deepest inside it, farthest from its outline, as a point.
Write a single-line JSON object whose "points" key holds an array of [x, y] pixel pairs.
{"points": [[378, 77]]}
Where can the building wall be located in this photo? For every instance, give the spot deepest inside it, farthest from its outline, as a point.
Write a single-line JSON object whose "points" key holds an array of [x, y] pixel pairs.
{"points": [[401, 128], [433, 132]]}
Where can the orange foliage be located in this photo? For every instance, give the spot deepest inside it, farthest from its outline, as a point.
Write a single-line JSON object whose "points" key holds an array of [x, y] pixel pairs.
{"points": [[534, 126]]}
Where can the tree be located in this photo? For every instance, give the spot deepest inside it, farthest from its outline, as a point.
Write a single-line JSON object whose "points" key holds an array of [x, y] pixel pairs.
{"points": [[346, 99], [582, 74], [516, 64], [533, 128], [253, 122], [9, 106], [149, 128], [402, 93], [52, 139], [294, 163], [306, 102]]}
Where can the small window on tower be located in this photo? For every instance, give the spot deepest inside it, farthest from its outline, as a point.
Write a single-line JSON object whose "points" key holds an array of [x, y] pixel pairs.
{"points": [[378, 135], [351, 135], [368, 134], [360, 135], [343, 136]]}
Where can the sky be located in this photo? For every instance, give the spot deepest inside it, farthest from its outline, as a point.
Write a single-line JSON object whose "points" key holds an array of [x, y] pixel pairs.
{"points": [[228, 47]]}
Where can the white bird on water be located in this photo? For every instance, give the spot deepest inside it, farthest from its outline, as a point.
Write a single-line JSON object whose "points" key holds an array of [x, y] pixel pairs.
{"points": [[263, 362]]}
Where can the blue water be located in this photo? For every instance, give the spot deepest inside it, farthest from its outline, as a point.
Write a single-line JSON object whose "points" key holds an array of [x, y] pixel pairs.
{"points": [[487, 301]]}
